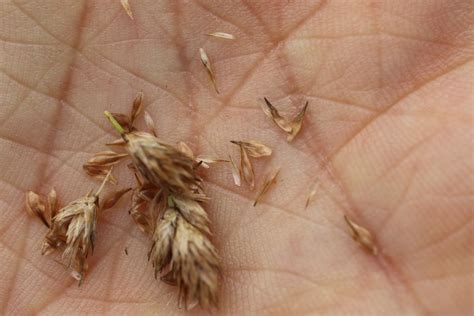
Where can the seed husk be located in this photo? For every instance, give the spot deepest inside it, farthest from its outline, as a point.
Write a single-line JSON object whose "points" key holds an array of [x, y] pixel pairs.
{"points": [[137, 107], [236, 172], [246, 167], [222, 35], [150, 124], [311, 196], [35, 206], [127, 8], [254, 148], [296, 123], [207, 64], [291, 127], [362, 236], [270, 179]]}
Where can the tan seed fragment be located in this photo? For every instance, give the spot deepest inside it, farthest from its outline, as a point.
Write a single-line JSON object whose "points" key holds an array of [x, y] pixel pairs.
{"points": [[150, 124], [207, 64], [34, 206], [269, 180], [362, 236], [246, 167], [52, 202], [311, 196], [222, 35], [272, 113], [136, 107], [254, 148], [236, 172], [126, 6], [296, 123]]}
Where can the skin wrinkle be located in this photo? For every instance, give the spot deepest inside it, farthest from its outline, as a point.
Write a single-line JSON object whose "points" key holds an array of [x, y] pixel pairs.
{"points": [[315, 150]]}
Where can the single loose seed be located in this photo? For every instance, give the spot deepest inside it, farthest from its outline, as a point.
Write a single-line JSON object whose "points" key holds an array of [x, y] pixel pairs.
{"points": [[207, 64], [127, 8], [362, 236], [222, 35], [269, 180]]}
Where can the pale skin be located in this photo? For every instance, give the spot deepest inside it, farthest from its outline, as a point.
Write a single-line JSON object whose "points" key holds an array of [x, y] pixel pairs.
{"points": [[387, 140]]}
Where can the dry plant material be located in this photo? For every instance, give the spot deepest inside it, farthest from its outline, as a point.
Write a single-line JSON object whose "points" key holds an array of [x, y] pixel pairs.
{"points": [[71, 229], [222, 35], [254, 148], [200, 160], [98, 166], [126, 6], [166, 205], [291, 127], [246, 167], [207, 64], [270, 179], [362, 236], [236, 172], [311, 196]]}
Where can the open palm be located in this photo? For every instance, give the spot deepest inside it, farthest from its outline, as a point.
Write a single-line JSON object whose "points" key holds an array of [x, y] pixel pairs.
{"points": [[387, 140]]}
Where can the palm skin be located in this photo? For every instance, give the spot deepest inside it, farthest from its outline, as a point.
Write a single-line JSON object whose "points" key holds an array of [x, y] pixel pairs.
{"points": [[387, 140]]}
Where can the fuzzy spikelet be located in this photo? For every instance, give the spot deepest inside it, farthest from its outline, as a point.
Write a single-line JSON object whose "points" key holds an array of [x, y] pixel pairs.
{"points": [[161, 164]]}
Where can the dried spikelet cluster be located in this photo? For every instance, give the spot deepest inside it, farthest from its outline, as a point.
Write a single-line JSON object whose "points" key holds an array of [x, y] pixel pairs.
{"points": [[71, 229], [166, 206]]}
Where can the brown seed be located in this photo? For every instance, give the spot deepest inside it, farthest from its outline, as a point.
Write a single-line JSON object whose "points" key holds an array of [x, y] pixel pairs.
{"points": [[184, 148], [311, 196], [222, 35], [113, 198], [136, 107], [126, 6], [246, 167], [34, 206], [207, 64], [126, 251], [236, 172], [52, 202], [269, 180], [150, 124], [272, 113], [296, 123], [254, 148], [99, 165], [293, 127], [362, 236]]}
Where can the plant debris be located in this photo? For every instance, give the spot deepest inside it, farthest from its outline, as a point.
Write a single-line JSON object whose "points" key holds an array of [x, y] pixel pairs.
{"points": [[236, 172], [267, 183], [246, 167], [207, 64], [311, 196], [166, 205], [291, 127], [72, 229], [254, 148], [362, 236], [222, 35], [126, 6]]}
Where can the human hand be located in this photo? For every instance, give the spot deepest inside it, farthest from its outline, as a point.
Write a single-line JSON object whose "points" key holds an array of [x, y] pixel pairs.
{"points": [[387, 139]]}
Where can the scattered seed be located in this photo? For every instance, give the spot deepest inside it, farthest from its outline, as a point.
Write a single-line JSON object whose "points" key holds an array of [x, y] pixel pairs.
{"points": [[296, 123], [113, 198], [246, 167], [34, 206], [126, 6], [52, 201], [311, 196], [150, 124], [254, 148], [236, 172], [269, 180], [137, 107], [126, 251], [222, 35], [272, 113], [207, 64], [293, 127], [362, 236]]}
